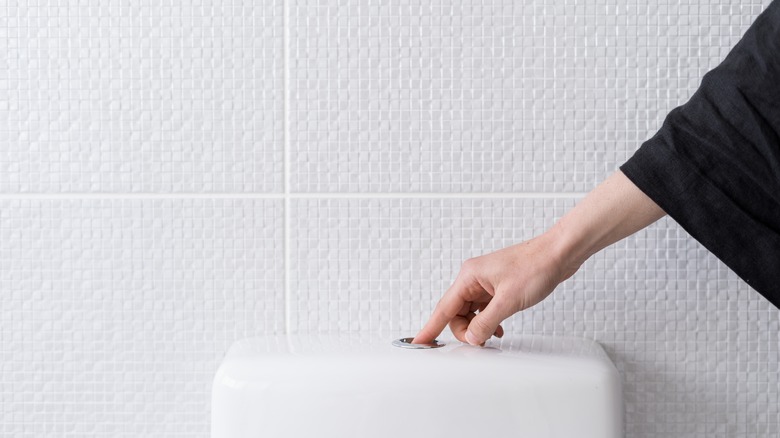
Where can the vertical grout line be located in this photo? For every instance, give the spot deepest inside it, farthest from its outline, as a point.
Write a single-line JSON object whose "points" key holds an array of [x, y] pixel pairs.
{"points": [[286, 172]]}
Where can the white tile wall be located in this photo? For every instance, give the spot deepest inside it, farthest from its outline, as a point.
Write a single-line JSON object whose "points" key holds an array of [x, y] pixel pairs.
{"points": [[178, 175], [115, 312], [489, 96], [141, 96]]}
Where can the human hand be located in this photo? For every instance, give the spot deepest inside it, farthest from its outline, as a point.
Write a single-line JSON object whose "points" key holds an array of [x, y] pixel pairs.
{"points": [[493, 287]]}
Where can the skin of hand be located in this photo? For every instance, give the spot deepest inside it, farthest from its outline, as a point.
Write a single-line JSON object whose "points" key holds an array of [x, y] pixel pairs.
{"points": [[490, 288]]}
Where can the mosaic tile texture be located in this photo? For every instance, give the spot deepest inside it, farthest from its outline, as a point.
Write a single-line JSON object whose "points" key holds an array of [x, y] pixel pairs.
{"points": [[115, 313], [696, 347], [486, 96], [101, 96], [117, 310]]}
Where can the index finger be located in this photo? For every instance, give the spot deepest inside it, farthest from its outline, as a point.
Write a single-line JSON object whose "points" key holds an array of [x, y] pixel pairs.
{"points": [[447, 308]]}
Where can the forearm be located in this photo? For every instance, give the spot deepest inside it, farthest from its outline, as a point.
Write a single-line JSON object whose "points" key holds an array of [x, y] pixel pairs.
{"points": [[612, 211], [492, 287]]}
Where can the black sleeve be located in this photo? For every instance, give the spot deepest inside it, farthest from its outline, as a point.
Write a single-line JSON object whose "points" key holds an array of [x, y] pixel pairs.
{"points": [[714, 166]]}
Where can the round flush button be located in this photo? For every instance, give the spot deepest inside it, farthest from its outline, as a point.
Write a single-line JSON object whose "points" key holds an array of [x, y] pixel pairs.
{"points": [[407, 343]]}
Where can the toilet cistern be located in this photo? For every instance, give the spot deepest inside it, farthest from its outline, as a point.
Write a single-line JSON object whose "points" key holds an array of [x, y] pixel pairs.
{"points": [[361, 385]]}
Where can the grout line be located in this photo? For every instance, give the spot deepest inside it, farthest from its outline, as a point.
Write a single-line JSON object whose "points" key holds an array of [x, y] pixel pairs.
{"points": [[437, 195], [286, 173], [141, 195], [288, 196]]}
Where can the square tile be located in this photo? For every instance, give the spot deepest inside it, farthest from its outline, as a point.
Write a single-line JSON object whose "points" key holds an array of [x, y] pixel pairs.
{"points": [[489, 96], [116, 313], [109, 97]]}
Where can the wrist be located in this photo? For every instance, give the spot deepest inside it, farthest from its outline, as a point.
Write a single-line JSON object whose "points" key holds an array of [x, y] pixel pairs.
{"points": [[613, 210], [568, 250]]}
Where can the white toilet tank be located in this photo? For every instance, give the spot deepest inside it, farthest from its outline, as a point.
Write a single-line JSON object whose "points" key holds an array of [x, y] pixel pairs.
{"points": [[330, 386]]}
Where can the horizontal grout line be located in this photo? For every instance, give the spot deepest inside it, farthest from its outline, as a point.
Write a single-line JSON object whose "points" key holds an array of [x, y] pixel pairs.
{"points": [[141, 195], [432, 195], [426, 195]]}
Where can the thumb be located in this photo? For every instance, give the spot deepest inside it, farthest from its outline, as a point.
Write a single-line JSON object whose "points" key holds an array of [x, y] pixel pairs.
{"points": [[482, 326]]}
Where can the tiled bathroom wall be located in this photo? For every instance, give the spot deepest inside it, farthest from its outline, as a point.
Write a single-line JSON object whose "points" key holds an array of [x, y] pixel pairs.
{"points": [[175, 176]]}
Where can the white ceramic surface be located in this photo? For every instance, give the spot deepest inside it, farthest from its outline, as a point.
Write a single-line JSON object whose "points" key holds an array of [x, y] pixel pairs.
{"points": [[362, 386]]}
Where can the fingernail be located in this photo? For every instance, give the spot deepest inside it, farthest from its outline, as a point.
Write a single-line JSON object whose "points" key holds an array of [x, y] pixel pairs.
{"points": [[470, 338]]}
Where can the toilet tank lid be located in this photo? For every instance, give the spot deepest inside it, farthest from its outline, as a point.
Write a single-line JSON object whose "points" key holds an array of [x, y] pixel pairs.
{"points": [[355, 385], [532, 351]]}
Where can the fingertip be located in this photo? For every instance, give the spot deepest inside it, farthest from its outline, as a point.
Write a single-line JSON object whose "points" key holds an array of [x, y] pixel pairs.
{"points": [[446, 309], [421, 338], [471, 339], [431, 329]]}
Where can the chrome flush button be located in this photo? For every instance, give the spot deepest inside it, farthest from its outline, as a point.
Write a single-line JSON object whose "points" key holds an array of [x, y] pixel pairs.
{"points": [[407, 343]]}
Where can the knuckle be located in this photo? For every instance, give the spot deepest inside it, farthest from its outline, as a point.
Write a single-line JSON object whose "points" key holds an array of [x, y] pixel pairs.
{"points": [[469, 265], [481, 325]]}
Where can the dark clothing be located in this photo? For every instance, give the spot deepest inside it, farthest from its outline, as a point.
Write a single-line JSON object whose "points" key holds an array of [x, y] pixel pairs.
{"points": [[714, 166]]}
